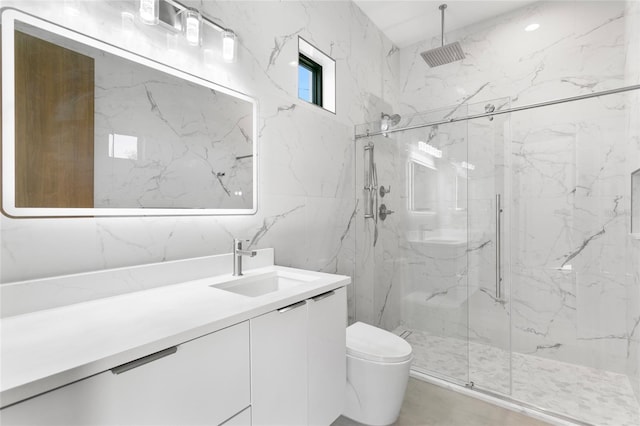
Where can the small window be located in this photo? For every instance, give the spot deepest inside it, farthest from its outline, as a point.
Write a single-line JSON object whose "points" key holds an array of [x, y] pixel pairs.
{"points": [[316, 76], [309, 80]]}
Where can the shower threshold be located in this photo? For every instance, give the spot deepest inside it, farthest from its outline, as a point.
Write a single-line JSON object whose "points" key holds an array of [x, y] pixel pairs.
{"points": [[567, 392], [499, 400]]}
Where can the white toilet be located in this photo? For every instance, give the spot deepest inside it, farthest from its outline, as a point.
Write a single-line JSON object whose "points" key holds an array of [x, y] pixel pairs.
{"points": [[378, 365]]}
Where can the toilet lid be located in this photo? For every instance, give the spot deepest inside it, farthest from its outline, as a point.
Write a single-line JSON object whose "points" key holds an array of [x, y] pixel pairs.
{"points": [[374, 344]]}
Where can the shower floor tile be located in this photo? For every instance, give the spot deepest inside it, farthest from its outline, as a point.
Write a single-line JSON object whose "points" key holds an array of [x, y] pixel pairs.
{"points": [[595, 396]]}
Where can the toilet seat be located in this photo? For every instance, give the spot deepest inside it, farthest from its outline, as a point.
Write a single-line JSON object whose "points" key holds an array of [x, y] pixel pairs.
{"points": [[373, 344]]}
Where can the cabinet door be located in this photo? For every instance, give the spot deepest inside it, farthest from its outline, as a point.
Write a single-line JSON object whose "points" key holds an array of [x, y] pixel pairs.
{"points": [[204, 381], [279, 367], [327, 323]]}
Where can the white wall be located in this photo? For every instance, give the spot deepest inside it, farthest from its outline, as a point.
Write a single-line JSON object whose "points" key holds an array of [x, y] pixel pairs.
{"points": [[306, 203]]}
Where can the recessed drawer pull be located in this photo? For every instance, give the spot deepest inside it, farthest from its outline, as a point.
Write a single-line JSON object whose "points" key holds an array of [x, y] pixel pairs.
{"points": [[144, 360], [292, 307], [323, 295]]}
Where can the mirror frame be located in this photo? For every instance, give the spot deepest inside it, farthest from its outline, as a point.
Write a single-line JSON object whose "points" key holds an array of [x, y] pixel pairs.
{"points": [[9, 17]]}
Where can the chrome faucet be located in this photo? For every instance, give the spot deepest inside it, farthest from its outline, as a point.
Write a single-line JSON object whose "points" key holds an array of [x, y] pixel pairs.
{"points": [[237, 256]]}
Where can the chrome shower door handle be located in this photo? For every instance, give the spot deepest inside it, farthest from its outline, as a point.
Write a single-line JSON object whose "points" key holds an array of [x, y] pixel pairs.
{"points": [[498, 247]]}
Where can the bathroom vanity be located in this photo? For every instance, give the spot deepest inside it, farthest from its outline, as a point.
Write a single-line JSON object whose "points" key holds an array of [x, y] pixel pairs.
{"points": [[264, 348]]}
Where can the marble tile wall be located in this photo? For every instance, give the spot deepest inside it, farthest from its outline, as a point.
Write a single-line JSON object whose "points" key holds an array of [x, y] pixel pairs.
{"points": [[306, 190], [632, 76], [567, 168]]}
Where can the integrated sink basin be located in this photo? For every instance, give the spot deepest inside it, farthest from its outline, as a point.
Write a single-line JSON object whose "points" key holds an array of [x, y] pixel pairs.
{"points": [[254, 286]]}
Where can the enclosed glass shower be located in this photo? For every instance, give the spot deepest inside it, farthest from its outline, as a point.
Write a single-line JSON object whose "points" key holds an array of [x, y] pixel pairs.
{"points": [[507, 261]]}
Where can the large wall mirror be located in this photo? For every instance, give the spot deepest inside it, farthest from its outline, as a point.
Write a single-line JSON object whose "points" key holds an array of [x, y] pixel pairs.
{"points": [[89, 129]]}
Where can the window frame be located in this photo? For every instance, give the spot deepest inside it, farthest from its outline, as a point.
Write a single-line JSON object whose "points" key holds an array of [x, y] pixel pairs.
{"points": [[316, 78]]}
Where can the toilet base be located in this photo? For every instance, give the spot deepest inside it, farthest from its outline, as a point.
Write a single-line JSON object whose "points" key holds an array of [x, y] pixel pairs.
{"points": [[375, 391]]}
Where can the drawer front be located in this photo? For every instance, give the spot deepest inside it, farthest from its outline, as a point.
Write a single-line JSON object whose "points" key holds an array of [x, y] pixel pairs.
{"points": [[87, 402], [205, 381]]}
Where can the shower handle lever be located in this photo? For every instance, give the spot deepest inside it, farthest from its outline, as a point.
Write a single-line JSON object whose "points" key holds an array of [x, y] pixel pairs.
{"points": [[384, 191], [498, 247]]}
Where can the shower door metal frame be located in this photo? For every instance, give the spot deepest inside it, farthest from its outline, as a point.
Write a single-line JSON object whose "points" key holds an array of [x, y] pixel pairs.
{"points": [[498, 111]]}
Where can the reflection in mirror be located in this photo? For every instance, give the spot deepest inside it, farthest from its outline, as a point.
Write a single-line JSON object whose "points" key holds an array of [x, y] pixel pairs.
{"points": [[100, 131], [635, 203], [423, 185]]}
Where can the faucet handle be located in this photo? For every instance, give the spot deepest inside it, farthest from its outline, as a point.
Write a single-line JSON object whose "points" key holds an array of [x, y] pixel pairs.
{"points": [[237, 243]]}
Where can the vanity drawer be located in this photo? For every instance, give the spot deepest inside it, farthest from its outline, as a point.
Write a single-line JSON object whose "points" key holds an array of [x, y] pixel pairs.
{"points": [[203, 381]]}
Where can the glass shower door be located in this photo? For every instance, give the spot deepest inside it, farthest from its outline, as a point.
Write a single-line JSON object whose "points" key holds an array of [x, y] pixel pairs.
{"points": [[434, 246], [570, 260], [485, 174]]}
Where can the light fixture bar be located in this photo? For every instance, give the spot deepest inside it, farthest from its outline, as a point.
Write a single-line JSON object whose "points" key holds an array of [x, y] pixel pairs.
{"points": [[205, 19]]}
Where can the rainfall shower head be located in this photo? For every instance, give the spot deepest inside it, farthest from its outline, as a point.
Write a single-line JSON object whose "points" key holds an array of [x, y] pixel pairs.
{"points": [[387, 121], [445, 54]]}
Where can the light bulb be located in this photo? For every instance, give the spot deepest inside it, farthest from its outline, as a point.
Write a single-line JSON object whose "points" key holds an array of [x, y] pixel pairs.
{"points": [[532, 27], [228, 46], [192, 26], [149, 11]]}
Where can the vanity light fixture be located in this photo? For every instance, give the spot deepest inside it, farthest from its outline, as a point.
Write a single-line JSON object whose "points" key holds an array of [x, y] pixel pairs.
{"points": [[531, 27], [188, 21], [128, 23], [228, 46], [192, 26], [429, 149], [150, 11], [467, 166]]}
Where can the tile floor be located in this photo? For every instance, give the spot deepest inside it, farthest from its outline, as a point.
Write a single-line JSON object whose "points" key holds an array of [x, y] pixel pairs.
{"points": [[430, 405], [594, 396]]}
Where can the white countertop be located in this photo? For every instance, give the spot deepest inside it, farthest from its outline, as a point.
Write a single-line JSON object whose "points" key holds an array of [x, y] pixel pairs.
{"points": [[46, 349]]}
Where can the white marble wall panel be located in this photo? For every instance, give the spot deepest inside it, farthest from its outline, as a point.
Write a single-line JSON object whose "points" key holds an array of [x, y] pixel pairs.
{"points": [[306, 188], [632, 127]]}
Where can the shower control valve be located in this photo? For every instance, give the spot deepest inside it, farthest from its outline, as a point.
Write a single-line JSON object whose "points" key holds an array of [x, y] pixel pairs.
{"points": [[384, 212], [384, 190]]}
